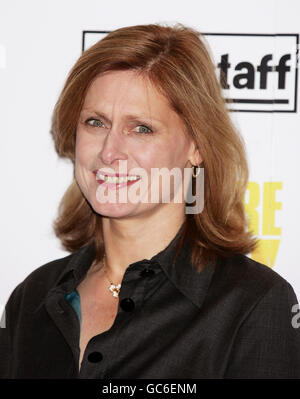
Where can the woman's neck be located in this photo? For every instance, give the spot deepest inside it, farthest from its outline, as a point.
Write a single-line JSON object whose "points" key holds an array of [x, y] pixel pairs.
{"points": [[129, 240]]}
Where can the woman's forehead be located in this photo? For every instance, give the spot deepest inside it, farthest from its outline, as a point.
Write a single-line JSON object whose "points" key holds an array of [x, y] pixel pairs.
{"points": [[127, 92]]}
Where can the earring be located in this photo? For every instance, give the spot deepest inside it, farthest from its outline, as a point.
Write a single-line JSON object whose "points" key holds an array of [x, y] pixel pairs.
{"points": [[198, 170]]}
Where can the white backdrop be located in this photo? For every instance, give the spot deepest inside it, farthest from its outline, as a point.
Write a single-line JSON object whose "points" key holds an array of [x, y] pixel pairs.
{"points": [[39, 43]]}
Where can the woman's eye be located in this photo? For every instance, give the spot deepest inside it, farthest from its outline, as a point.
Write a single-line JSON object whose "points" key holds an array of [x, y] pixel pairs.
{"points": [[144, 129], [94, 122]]}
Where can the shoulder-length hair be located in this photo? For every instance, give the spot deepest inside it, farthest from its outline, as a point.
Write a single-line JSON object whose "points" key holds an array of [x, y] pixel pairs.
{"points": [[178, 62]]}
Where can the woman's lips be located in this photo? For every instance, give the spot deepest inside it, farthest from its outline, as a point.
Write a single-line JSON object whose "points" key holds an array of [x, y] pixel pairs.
{"points": [[114, 185], [110, 174]]}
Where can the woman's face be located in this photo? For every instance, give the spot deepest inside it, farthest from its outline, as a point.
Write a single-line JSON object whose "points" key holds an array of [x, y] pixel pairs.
{"points": [[126, 121]]}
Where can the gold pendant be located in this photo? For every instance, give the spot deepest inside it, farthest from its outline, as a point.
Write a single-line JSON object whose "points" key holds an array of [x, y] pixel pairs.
{"points": [[115, 289]]}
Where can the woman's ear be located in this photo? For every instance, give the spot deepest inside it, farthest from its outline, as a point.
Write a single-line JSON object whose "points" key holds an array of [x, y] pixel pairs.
{"points": [[195, 157]]}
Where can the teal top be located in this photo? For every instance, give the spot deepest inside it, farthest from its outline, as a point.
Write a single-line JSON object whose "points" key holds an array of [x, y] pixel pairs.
{"points": [[74, 299]]}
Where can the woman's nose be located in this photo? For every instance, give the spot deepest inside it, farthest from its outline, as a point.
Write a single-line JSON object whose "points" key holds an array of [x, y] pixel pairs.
{"points": [[113, 147]]}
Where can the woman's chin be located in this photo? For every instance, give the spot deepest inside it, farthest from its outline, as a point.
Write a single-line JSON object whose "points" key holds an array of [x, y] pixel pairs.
{"points": [[117, 210]]}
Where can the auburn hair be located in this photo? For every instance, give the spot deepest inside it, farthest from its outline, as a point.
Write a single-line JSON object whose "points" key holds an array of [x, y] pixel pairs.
{"points": [[177, 60]]}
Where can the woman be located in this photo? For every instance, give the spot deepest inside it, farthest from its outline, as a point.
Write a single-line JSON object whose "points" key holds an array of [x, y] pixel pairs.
{"points": [[150, 289]]}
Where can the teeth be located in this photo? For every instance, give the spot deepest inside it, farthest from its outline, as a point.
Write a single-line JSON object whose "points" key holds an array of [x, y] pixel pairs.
{"points": [[115, 179]]}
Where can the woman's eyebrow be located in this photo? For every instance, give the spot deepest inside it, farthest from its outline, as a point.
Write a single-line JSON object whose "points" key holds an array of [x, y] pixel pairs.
{"points": [[127, 116]]}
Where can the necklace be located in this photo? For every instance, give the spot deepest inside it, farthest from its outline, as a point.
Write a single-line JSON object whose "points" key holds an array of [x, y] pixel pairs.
{"points": [[115, 289]]}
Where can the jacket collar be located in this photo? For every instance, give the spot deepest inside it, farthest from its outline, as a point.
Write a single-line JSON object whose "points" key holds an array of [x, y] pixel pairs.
{"points": [[193, 284]]}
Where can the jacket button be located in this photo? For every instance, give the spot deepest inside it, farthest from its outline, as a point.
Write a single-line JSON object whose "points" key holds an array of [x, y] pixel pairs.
{"points": [[95, 357], [127, 304], [147, 272]]}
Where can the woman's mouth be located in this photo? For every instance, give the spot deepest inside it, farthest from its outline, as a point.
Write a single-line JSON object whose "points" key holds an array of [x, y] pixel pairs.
{"points": [[115, 181]]}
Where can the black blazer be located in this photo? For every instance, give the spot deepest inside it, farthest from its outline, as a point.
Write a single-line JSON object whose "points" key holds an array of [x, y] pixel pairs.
{"points": [[234, 321]]}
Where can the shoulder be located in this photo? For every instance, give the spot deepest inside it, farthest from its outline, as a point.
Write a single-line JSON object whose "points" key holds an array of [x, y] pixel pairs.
{"points": [[29, 296], [248, 274], [42, 279], [48, 273], [247, 282], [267, 339]]}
